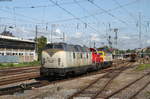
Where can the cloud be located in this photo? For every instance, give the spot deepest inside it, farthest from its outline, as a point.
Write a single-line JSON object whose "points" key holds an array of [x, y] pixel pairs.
{"points": [[95, 37], [19, 30], [124, 37], [22, 32], [58, 31], [78, 34], [148, 41]]}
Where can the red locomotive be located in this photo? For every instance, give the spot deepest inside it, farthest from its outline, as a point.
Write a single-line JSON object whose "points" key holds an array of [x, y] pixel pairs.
{"points": [[96, 57], [101, 58]]}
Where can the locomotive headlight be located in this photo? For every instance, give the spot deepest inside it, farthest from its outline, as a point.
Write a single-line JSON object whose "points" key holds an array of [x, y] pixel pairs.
{"points": [[59, 60]]}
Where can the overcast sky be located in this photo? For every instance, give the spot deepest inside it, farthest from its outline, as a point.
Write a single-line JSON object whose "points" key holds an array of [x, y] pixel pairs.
{"points": [[83, 21]]}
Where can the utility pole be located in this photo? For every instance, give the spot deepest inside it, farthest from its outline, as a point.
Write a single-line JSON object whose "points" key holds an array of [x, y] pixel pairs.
{"points": [[116, 38], [5, 28], [36, 41], [94, 45], [63, 37], [52, 30], [109, 41], [140, 31], [108, 29]]}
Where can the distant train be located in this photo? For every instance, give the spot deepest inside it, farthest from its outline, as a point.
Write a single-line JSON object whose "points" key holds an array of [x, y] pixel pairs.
{"points": [[133, 57], [61, 59]]}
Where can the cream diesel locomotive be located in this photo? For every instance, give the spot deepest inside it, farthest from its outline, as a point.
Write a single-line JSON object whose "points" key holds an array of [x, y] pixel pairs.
{"points": [[64, 59], [61, 59]]}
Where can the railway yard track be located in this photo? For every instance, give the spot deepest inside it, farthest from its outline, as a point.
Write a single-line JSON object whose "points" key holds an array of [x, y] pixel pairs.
{"points": [[18, 70], [14, 75], [95, 90], [8, 76], [129, 86]]}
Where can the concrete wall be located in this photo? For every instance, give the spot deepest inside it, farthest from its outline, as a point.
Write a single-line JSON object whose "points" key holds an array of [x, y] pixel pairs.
{"points": [[9, 59], [17, 55]]}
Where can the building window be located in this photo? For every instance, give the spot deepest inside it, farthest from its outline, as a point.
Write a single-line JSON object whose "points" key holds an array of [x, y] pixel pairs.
{"points": [[31, 53], [13, 54], [81, 55], [7, 53], [74, 56], [87, 56], [2, 54]]}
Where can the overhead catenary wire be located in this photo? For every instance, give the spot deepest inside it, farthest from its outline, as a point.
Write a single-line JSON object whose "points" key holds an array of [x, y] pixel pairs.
{"points": [[36, 21], [99, 13], [31, 18], [77, 2], [43, 6], [65, 10], [130, 14], [123, 8], [107, 12]]}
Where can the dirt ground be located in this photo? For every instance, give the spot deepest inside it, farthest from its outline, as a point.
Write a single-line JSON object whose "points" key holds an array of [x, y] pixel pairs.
{"points": [[65, 89]]}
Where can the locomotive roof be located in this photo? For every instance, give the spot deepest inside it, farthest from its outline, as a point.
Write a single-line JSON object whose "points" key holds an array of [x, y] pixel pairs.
{"points": [[67, 47]]}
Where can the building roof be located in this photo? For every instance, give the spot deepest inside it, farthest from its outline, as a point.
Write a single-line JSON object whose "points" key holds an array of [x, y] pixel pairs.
{"points": [[16, 39]]}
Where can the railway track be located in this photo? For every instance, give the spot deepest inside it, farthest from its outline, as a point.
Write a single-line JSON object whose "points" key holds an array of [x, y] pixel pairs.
{"points": [[98, 85], [29, 75], [34, 74], [22, 87], [122, 91], [17, 78], [13, 75], [18, 70], [96, 89]]}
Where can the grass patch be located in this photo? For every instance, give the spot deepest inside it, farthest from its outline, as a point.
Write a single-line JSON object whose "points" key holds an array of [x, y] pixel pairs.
{"points": [[9, 65], [147, 93], [143, 67]]}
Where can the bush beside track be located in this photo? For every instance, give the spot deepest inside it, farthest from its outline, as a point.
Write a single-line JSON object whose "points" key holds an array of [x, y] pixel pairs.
{"points": [[143, 67], [9, 65]]}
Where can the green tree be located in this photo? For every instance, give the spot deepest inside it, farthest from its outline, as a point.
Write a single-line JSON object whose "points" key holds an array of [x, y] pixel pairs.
{"points": [[41, 43]]}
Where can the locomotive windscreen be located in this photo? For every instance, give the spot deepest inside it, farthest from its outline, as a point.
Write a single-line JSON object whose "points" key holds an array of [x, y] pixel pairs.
{"points": [[49, 46], [54, 46], [66, 47]]}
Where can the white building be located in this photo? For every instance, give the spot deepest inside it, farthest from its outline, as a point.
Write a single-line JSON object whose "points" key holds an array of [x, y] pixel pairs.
{"points": [[13, 49]]}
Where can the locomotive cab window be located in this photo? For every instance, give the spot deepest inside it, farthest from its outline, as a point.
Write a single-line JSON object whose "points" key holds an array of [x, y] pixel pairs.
{"points": [[58, 46], [49, 46], [54, 46]]}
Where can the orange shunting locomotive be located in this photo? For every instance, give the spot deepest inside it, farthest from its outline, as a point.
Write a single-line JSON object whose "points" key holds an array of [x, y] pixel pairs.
{"points": [[101, 57]]}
